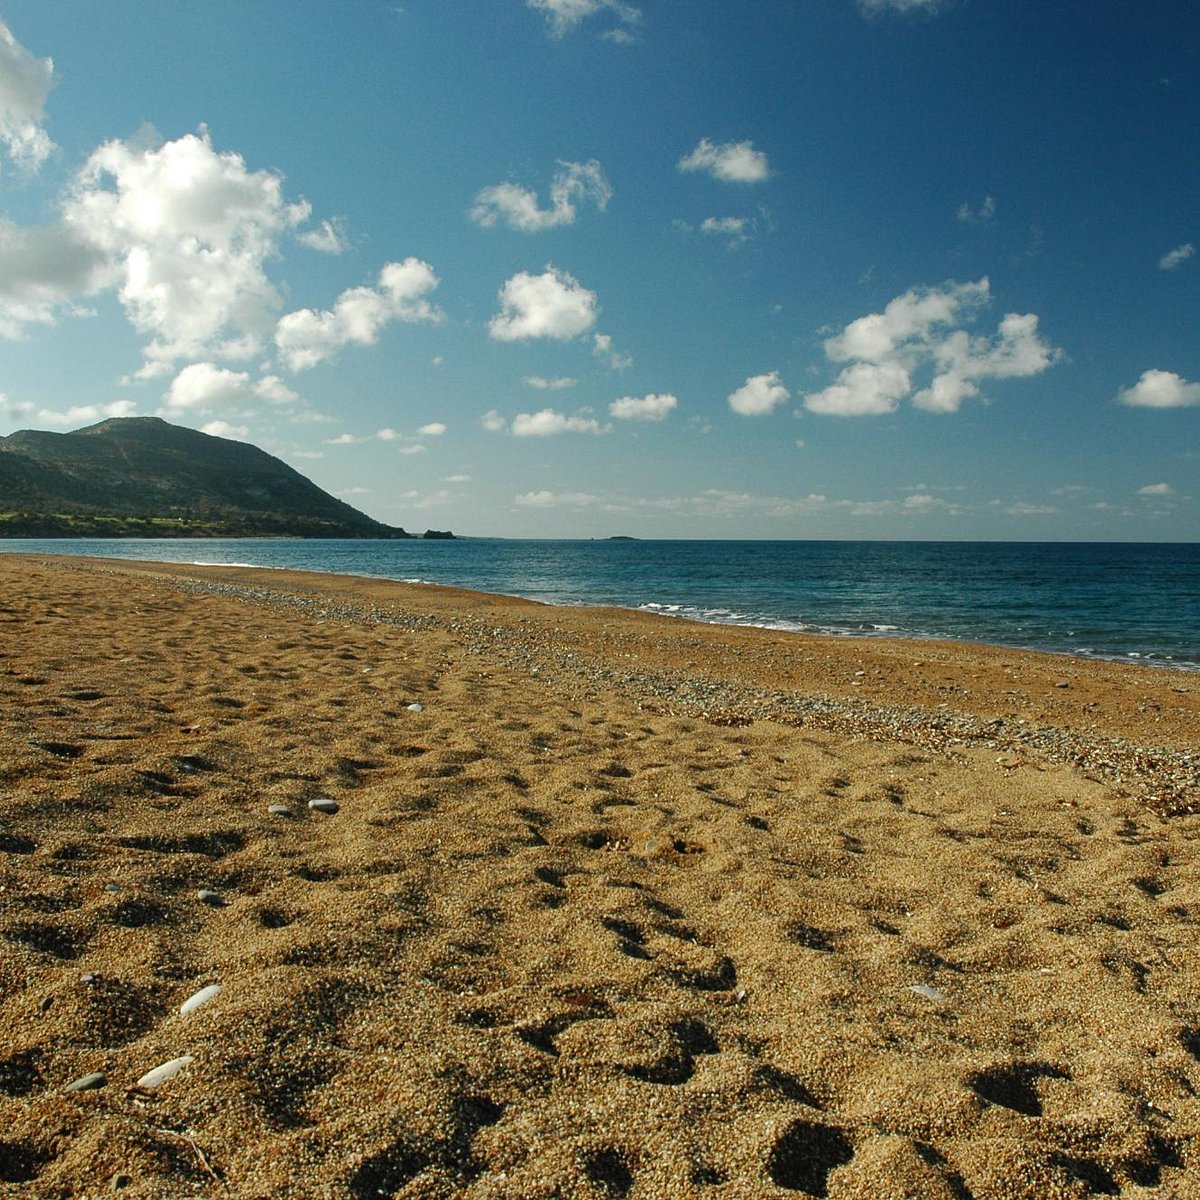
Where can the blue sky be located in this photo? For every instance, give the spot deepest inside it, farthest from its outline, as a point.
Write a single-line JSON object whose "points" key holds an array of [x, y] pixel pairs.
{"points": [[735, 268]]}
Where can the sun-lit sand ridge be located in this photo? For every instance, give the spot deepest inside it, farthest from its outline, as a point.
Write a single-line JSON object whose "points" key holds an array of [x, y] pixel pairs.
{"points": [[629, 907]]}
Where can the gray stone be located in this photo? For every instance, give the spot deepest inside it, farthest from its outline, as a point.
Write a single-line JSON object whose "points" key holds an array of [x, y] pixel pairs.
{"points": [[88, 1083]]}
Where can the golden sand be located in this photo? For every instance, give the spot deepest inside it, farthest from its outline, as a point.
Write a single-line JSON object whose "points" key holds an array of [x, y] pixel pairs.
{"points": [[630, 907]]}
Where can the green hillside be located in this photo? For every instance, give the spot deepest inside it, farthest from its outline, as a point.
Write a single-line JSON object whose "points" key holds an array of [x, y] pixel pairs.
{"points": [[143, 477]]}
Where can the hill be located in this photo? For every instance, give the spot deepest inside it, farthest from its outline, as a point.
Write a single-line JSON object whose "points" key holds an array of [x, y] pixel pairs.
{"points": [[143, 477]]}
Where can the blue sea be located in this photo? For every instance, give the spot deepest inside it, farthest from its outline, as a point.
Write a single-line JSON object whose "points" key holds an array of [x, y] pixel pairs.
{"points": [[1134, 602]]}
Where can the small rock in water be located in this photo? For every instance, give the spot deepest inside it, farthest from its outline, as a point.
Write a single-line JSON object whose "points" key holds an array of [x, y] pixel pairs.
{"points": [[416, 707], [279, 810], [323, 804], [202, 997], [927, 992], [163, 1072], [211, 897], [88, 1083]]}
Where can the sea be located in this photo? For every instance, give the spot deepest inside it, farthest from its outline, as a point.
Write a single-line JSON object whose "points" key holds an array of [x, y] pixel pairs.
{"points": [[1125, 601]]}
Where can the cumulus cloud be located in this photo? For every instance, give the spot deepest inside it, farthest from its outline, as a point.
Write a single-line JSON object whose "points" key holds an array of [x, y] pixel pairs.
{"points": [[204, 386], [187, 232], [733, 162], [978, 216], [328, 238], [41, 270], [433, 429], [493, 422], [305, 338], [549, 385], [25, 83], [564, 15], [602, 347], [760, 394], [1155, 489], [735, 230], [921, 331], [519, 208], [650, 407], [86, 414], [1161, 389], [549, 422], [1173, 258], [550, 305]]}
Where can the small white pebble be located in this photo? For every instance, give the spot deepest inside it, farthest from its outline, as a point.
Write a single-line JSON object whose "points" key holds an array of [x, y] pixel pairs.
{"points": [[927, 992], [279, 810], [202, 997], [416, 707], [323, 804], [163, 1072]]}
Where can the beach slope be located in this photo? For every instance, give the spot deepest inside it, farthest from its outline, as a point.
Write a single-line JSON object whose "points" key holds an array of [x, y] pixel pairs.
{"points": [[469, 896]]}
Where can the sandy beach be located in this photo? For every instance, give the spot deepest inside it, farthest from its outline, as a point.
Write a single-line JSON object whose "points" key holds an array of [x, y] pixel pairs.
{"points": [[478, 897]]}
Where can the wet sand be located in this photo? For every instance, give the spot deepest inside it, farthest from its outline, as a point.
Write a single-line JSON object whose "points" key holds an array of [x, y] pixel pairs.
{"points": [[628, 906]]}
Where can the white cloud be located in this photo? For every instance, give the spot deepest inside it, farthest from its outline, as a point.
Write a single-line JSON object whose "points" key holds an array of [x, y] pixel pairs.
{"points": [[1161, 389], [1022, 509], [548, 422], [204, 385], [346, 439], [416, 449], [273, 390], [733, 162], [222, 429], [433, 429], [865, 389], [41, 269], [308, 454], [493, 422], [25, 83], [564, 15], [573, 183], [328, 238], [86, 414], [305, 338], [549, 385], [760, 394], [602, 347], [978, 216], [550, 305], [644, 408], [186, 232], [1173, 258], [736, 230], [546, 499], [921, 329], [460, 478], [1155, 489], [388, 435]]}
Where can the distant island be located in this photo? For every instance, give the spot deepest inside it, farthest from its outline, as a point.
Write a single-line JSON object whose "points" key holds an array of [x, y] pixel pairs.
{"points": [[143, 477]]}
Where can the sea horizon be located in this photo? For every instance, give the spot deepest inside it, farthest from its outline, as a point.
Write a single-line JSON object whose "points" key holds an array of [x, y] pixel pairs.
{"points": [[1117, 601]]}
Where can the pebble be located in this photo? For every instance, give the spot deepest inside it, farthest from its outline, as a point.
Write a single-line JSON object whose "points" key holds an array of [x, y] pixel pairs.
{"points": [[163, 1072], [928, 993], [279, 810], [112, 887], [211, 897], [323, 804], [202, 997], [88, 1083], [416, 708]]}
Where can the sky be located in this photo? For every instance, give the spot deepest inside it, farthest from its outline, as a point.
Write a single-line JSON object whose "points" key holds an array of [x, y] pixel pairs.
{"points": [[581, 268]]}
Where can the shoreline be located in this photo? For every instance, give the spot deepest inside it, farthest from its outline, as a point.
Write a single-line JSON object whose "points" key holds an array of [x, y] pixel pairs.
{"points": [[608, 905], [1169, 651]]}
